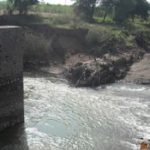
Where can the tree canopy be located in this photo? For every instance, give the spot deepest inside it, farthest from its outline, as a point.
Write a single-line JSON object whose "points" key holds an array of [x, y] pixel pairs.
{"points": [[141, 9], [85, 8], [121, 9], [20, 5]]}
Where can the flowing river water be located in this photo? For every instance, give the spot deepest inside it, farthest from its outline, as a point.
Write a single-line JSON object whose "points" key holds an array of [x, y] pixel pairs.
{"points": [[60, 117]]}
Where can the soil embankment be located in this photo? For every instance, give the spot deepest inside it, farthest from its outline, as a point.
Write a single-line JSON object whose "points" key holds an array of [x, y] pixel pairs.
{"points": [[102, 70], [140, 72], [68, 55], [51, 46]]}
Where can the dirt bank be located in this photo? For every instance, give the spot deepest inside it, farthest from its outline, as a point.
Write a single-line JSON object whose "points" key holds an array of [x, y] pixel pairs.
{"points": [[95, 71], [51, 46], [139, 72], [68, 54], [85, 70]]}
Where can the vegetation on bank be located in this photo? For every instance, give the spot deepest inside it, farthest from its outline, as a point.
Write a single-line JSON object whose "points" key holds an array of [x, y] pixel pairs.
{"points": [[36, 49], [3, 5], [118, 35], [53, 9], [106, 34], [118, 10]]}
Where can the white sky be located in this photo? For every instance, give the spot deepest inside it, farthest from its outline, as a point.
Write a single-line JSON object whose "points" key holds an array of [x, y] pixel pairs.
{"points": [[63, 2]]}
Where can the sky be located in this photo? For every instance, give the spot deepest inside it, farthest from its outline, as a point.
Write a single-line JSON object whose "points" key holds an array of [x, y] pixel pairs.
{"points": [[63, 2]]}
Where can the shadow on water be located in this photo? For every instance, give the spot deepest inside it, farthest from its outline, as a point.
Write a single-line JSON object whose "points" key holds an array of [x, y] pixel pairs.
{"points": [[14, 138]]}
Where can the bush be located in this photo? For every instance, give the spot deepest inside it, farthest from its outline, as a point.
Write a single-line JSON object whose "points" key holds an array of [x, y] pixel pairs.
{"points": [[36, 49], [143, 39], [53, 9], [104, 40]]}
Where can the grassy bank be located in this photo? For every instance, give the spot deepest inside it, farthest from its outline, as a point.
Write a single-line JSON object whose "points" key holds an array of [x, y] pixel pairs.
{"points": [[2, 5], [53, 9], [103, 37]]}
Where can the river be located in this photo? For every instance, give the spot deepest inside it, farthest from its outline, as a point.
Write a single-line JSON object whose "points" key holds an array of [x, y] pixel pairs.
{"points": [[60, 117]]}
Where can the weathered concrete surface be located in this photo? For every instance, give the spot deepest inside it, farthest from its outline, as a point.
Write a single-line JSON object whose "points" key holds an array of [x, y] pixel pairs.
{"points": [[11, 77]]}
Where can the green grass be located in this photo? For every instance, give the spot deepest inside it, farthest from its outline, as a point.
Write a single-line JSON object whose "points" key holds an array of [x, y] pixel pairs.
{"points": [[53, 9], [36, 48], [3, 5], [59, 20], [103, 39], [102, 36]]}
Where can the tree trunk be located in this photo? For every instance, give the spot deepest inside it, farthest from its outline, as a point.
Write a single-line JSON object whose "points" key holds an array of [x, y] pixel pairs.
{"points": [[133, 17], [105, 15]]}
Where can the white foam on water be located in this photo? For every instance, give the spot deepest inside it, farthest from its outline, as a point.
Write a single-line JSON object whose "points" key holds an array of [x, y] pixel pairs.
{"points": [[128, 87], [59, 117]]}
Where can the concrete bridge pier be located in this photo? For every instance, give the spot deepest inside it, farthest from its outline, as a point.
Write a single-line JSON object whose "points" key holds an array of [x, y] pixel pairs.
{"points": [[11, 77]]}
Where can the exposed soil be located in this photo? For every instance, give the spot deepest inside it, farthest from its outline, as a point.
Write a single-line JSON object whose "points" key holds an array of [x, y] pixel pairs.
{"points": [[140, 72], [68, 57]]}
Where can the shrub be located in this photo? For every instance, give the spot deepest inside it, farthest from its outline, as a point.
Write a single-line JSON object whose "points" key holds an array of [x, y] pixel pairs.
{"points": [[104, 40], [143, 39], [36, 49]]}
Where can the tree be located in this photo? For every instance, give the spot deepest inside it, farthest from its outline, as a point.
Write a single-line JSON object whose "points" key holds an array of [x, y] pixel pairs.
{"points": [[123, 10], [108, 7], [21, 5], [141, 9], [10, 6], [85, 9]]}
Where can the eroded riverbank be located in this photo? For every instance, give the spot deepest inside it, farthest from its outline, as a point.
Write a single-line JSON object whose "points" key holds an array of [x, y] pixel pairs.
{"points": [[85, 58], [140, 72]]}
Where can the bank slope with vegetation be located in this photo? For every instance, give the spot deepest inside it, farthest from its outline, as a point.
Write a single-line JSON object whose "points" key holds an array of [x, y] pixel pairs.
{"points": [[89, 44]]}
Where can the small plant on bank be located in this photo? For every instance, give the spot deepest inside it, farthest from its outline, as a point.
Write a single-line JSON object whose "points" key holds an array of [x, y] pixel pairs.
{"points": [[36, 49]]}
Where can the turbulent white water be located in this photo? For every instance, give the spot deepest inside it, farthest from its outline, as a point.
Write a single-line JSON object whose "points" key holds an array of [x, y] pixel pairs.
{"points": [[60, 117]]}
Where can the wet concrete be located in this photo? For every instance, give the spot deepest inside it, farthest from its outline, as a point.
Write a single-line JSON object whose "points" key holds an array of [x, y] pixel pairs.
{"points": [[14, 138], [11, 77]]}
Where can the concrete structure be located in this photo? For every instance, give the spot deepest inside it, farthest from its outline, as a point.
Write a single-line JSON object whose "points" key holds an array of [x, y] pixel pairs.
{"points": [[11, 77]]}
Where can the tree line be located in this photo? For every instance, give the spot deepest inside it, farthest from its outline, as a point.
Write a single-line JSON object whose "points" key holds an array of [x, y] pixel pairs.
{"points": [[20, 5], [119, 10]]}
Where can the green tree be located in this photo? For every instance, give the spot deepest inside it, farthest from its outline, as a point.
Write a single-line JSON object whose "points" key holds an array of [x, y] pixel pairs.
{"points": [[21, 5], [123, 10], [141, 9], [85, 9], [108, 7], [10, 6]]}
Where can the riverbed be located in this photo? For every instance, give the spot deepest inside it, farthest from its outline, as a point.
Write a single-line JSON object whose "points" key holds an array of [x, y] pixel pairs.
{"points": [[61, 117]]}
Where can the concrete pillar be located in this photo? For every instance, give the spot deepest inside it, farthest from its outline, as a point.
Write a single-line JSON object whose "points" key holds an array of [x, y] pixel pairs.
{"points": [[11, 77]]}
